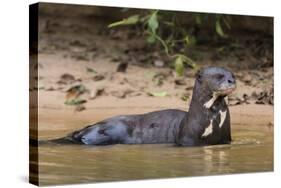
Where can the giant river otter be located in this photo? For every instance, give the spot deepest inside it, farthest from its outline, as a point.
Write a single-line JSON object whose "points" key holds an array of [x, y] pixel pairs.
{"points": [[206, 123]]}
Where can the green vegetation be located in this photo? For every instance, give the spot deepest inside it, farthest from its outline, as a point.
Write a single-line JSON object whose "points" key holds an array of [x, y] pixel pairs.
{"points": [[158, 94], [165, 29], [75, 101]]}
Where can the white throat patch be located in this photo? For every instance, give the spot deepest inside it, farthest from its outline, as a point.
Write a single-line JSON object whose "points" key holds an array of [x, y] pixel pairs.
{"points": [[223, 116], [208, 130], [209, 103], [226, 100]]}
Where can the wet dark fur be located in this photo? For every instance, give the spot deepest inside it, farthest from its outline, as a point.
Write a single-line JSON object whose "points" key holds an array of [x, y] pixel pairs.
{"points": [[166, 126]]}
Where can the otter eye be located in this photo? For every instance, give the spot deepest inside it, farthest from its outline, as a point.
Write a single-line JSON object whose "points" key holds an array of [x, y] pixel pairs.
{"points": [[219, 76]]}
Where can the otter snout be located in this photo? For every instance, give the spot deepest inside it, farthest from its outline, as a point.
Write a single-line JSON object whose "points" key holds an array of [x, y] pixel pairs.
{"points": [[228, 85]]}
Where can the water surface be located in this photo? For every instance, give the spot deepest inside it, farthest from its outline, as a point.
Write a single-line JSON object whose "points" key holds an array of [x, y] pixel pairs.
{"points": [[251, 151]]}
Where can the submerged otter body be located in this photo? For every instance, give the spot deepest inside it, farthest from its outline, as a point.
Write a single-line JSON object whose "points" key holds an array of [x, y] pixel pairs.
{"points": [[206, 123], [154, 127]]}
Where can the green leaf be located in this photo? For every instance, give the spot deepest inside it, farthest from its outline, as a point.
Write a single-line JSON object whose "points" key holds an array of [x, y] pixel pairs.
{"points": [[184, 97], [151, 39], [188, 61], [163, 43], [179, 66], [219, 29], [153, 22], [127, 21], [189, 40], [150, 74], [77, 88], [198, 20], [221, 49], [75, 102], [226, 22], [158, 94], [169, 23], [91, 70], [186, 39]]}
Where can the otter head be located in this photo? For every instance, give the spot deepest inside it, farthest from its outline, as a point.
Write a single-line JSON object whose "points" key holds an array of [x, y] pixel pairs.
{"points": [[214, 82]]}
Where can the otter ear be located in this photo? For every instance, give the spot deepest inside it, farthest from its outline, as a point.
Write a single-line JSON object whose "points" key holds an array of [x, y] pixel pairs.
{"points": [[198, 76]]}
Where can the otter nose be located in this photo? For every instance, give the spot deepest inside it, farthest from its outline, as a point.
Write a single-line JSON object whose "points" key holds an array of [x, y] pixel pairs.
{"points": [[231, 80]]}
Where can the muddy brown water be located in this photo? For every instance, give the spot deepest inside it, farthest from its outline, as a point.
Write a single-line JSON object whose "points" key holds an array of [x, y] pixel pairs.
{"points": [[250, 151]]}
